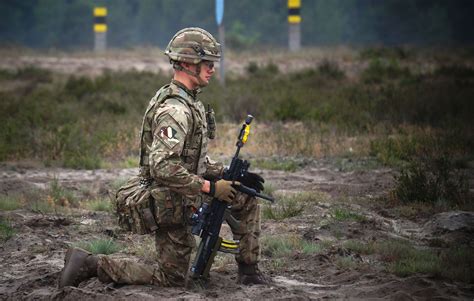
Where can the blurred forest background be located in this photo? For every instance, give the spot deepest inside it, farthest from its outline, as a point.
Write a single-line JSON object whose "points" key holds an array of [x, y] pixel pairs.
{"points": [[67, 24]]}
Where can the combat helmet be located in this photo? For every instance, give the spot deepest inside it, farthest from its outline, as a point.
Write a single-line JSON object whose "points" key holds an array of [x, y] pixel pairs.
{"points": [[192, 45]]}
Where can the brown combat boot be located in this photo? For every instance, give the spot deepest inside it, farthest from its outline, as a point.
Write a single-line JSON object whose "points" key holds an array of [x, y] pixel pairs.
{"points": [[79, 265], [249, 274]]}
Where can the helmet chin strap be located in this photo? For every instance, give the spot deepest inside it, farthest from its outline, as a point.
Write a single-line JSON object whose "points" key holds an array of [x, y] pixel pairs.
{"points": [[178, 67]]}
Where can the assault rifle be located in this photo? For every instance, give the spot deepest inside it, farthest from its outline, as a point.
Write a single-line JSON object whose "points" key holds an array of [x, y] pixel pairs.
{"points": [[207, 221]]}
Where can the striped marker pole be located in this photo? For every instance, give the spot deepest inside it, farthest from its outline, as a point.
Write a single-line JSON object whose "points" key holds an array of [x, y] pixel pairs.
{"points": [[294, 28], [221, 30], [100, 29]]}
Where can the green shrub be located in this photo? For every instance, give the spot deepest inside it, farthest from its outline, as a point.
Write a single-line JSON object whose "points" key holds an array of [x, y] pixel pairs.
{"points": [[394, 150], [380, 70], [267, 70], [458, 263], [417, 262], [384, 52], [30, 73], [455, 71], [82, 161], [433, 180], [35, 74], [330, 70], [404, 259]]}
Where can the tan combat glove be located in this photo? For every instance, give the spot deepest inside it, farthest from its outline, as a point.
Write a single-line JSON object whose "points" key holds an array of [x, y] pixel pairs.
{"points": [[223, 190]]}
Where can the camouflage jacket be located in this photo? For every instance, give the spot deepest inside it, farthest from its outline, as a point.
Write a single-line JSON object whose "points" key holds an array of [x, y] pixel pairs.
{"points": [[174, 141]]}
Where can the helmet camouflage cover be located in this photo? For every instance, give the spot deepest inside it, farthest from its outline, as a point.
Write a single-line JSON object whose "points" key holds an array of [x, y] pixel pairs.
{"points": [[193, 45]]}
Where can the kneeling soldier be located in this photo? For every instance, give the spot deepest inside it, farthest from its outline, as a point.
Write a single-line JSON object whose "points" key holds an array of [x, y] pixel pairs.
{"points": [[174, 162]]}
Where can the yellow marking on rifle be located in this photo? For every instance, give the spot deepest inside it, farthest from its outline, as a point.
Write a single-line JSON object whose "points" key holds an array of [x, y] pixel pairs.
{"points": [[229, 244], [246, 133]]}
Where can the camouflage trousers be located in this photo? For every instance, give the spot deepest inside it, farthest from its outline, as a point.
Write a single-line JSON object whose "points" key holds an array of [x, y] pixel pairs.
{"points": [[174, 248]]}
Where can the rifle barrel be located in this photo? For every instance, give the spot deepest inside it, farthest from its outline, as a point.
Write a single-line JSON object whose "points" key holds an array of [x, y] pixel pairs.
{"points": [[252, 192]]}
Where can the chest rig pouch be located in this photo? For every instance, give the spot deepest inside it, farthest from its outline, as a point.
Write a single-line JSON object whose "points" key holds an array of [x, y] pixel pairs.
{"points": [[211, 122]]}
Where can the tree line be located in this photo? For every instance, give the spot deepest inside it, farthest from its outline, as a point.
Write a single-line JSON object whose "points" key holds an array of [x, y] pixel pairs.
{"points": [[66, 24]]}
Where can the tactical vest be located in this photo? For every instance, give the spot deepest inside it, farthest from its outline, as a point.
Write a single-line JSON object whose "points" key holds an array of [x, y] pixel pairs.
{"points": [[194, 152]]}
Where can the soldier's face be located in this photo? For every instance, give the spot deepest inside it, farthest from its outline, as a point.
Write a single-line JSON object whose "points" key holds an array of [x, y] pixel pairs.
{"points": [[207, 71]]}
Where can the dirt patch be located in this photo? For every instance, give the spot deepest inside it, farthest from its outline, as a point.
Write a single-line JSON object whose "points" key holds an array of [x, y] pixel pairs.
{"points": [[34, 255]]}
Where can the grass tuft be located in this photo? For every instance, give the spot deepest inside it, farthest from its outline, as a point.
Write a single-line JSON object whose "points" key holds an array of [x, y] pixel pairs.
{"points": [[6, 229], [100, 246], [365, 248], [346, 262], [282, 245], [342, 214], [98, 205], [60, 196], [285, 208], [291, 205], [380, 70], [269, 188], [8, 203]]}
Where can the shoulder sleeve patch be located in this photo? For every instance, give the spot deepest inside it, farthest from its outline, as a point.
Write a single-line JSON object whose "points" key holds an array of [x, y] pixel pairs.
{"points": [[169, 132]]}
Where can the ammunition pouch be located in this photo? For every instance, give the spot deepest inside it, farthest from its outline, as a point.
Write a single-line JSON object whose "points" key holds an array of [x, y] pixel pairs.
{"points": [[135, 207]]}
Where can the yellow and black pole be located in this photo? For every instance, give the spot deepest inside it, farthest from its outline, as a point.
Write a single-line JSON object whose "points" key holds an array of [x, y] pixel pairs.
{"points": [[220, 25], [294, 28], [100, 28]]}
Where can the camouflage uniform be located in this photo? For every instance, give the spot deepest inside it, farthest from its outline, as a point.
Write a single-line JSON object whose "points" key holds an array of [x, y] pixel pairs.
{"points": [[174, 155]]}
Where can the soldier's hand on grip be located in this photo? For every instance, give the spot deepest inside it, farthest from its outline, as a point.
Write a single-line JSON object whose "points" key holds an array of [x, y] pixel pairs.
{"points": [[224, 191]]}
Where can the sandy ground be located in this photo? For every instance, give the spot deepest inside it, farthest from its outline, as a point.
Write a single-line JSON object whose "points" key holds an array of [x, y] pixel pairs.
{"points": [[33, 257]]}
